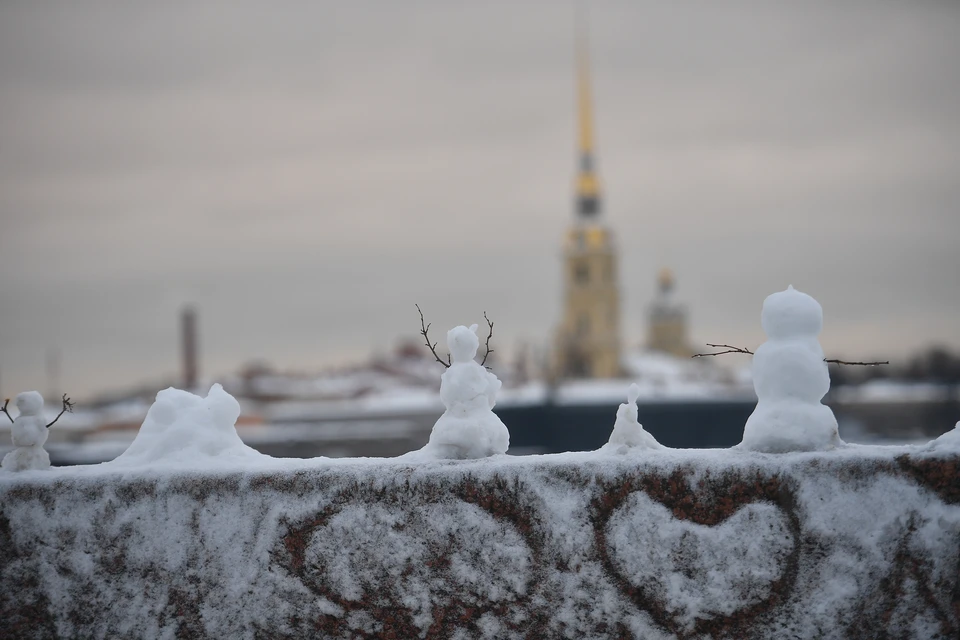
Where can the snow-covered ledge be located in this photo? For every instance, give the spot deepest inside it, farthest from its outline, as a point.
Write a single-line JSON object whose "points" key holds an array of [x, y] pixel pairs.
{"points": [[192, 534], [854, 543]]}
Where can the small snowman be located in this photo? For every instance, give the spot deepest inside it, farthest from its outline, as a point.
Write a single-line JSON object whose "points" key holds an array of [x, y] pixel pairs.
{"points": [[628, 434], [29, 431], [791, 378], [468, 428]]}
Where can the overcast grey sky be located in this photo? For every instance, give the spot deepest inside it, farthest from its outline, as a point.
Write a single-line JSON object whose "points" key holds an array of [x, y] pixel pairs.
{"points": [[305, 172]]}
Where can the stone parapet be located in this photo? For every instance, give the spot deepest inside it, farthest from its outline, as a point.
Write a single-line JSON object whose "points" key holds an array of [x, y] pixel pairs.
{"points": [[862, 542]]}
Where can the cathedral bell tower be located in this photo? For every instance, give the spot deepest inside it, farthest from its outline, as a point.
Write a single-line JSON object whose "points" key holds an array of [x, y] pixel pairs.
{"points": [[588, 339]]}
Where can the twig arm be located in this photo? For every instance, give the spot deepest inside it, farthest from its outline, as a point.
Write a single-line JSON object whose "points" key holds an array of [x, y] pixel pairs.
{"points": [[4, 409], [67, 408], [489, 335], [732, 349], [729, 349], [424, 328]]}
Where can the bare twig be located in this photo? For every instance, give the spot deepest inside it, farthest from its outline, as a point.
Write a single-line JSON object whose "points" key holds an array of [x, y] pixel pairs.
{"points": [[732, 349], [4, 409], [67, 408], [861, 364], [424, 328], [489, 335], [729, 349]]}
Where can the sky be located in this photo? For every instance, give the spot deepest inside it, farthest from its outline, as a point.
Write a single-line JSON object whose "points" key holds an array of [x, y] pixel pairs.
{"points": [[304, 172]]}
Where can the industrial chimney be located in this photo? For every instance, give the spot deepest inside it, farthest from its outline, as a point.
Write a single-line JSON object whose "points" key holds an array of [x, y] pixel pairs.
{"points": [[188, 338]]}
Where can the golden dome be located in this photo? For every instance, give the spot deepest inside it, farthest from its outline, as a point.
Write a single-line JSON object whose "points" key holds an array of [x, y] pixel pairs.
{"points": [[665, 279]]}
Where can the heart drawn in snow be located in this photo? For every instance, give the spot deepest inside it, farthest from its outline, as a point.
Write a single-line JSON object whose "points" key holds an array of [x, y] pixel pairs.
{"points": [[418, 560], [699, 561]]}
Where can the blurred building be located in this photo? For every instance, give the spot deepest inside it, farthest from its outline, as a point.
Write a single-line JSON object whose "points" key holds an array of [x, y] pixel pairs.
{"points": [[667, 321], [588, 339]]}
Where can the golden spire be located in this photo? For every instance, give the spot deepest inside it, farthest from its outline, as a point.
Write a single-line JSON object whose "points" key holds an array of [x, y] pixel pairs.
{"points": [[585, 113], [588, 187]]}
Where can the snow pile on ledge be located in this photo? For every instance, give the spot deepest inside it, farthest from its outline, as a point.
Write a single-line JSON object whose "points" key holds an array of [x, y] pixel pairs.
{"points": [[183, 429], [950, 441], [861, 542]]}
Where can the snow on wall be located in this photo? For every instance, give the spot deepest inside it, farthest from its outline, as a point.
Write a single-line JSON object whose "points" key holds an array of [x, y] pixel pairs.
{"points": [[862, 542]]}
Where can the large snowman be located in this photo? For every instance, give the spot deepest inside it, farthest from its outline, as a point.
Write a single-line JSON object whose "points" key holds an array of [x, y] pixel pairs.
{"points": [[468, 428], [30, 432], [791, 378]]}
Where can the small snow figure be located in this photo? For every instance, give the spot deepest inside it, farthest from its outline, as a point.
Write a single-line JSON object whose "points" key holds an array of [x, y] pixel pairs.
{"points": [[29, 433], [468, 428], [628, 433], [791, 378]]}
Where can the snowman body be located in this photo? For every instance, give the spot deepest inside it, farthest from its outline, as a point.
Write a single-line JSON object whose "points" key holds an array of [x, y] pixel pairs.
{"points": [[791, 378], [468, 428], [29, 432]]}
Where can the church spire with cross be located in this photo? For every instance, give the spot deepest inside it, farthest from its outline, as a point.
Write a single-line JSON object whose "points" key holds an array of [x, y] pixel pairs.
{"points": [[588, 187], [588, 339]]}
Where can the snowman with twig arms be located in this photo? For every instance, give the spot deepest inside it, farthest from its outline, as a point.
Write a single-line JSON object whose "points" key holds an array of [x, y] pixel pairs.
{"points": [[30, 431], [468, 428]]}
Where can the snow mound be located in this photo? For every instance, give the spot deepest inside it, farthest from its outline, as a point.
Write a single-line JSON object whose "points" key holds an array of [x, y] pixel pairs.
{"points": [[950, 441], [791, 378], [628, 433], [183, 429], [468, 428]]}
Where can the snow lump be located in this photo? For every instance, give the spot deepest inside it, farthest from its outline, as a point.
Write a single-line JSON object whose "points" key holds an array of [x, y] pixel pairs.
{"points": [[950, 441], [183, 429]]}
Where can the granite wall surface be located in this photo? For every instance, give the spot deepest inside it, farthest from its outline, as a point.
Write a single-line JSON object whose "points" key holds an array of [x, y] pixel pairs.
{"points": [[860, 543]]}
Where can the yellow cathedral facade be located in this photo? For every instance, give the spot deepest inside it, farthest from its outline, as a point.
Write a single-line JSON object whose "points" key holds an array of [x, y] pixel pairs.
{"points": [[587, 344]]}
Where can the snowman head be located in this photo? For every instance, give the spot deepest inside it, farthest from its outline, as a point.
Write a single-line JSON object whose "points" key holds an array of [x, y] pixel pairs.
{"points": [[791, 314], [30, 403], [463, 343]]}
